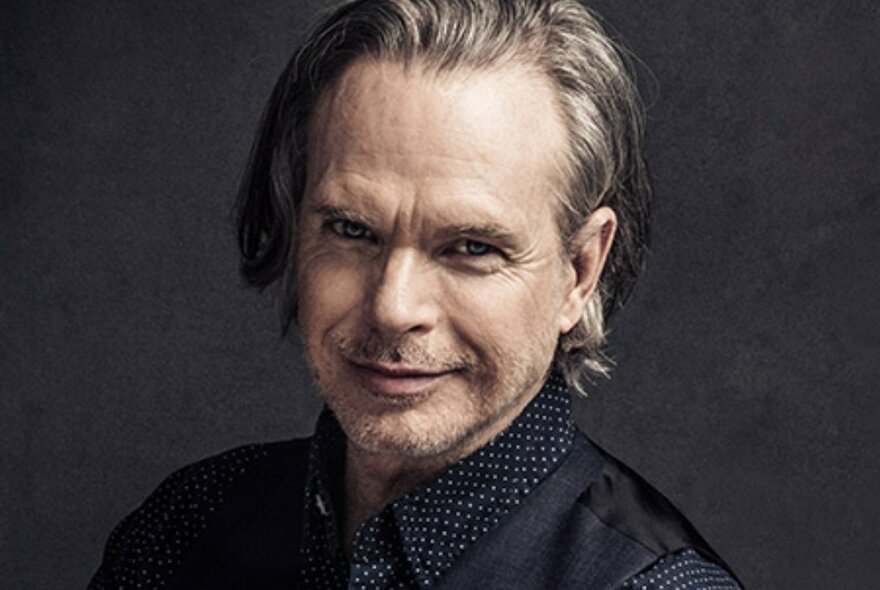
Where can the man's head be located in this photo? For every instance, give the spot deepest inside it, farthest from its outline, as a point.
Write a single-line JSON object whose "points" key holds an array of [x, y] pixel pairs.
{"points": [[361, 169]]}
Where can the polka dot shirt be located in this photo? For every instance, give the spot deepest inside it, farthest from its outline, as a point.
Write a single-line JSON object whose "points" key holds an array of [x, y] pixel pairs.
{"points": [[148, 547], [409, 544], [413, 541], [684, 570]]}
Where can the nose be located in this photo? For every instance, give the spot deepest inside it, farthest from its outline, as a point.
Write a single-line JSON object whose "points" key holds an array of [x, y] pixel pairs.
{"points": [[402, 299]]}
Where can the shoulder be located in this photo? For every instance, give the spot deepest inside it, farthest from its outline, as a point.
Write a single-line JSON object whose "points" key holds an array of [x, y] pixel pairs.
{"points": [[621, 499], [635, 511], [684, 570], [592, 523], [150, 543]]}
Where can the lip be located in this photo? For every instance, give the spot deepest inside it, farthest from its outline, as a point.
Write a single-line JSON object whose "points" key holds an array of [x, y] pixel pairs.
{"points": [[396, 380]]}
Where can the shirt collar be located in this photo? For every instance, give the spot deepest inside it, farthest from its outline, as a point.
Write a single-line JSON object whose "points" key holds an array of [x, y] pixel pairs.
{"points": [[441, 519]]}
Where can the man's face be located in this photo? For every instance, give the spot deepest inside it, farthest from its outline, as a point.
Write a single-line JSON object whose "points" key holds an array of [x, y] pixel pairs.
{"points": [[431, 286]]}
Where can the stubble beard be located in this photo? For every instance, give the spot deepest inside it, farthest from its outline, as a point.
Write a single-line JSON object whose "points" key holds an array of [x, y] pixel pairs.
{"points": [[437, 422]]}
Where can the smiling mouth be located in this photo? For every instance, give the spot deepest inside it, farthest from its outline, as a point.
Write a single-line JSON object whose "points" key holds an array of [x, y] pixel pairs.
{"points": [[397, 381]]}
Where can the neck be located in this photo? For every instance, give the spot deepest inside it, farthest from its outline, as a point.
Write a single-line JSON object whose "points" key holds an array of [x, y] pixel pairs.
{"points": [[374, 480]]}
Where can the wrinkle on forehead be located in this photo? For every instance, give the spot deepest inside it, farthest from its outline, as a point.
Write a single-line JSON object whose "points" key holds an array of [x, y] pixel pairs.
{"points": [[379, 103], [428, 149]]}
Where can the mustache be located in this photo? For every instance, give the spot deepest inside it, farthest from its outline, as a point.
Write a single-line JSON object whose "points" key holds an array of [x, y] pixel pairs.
{"points": [[373, 348]]}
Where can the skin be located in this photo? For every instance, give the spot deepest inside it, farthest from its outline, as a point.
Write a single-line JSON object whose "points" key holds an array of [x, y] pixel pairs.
{"points": [[432, 283]]}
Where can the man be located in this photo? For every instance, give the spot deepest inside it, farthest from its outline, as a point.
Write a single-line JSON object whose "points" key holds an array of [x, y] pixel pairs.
{"points": [[451, 198]]}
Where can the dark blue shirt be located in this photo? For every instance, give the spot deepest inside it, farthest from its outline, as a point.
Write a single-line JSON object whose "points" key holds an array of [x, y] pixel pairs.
{"points": [[412, 542], [538, 506]]}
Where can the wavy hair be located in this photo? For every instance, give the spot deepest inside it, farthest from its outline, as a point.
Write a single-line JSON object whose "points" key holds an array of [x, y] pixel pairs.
{"points": [[596, 95]]}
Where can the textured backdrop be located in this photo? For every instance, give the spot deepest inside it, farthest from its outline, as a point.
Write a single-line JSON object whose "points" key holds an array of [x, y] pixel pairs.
{"points": [[747, 359]]}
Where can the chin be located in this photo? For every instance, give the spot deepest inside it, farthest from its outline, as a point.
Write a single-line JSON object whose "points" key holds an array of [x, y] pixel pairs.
{"points": [[419, 428], [448, 420]]}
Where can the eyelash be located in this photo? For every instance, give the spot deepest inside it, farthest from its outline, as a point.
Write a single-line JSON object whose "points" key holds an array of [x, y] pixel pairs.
{"points": [[343, 228], [486, 249], [352, 230]]}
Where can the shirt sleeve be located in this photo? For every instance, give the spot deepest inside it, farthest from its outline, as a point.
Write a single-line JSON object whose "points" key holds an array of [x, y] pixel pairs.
{"points": [[147, 548], [685, 570]]}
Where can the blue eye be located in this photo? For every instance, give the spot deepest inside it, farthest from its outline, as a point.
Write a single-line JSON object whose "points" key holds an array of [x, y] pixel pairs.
{"points": [[351, 229], [473, 248]]}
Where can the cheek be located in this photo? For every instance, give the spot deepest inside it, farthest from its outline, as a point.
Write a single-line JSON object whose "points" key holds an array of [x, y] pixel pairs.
{"points": [[327, 293], [503, 311]]}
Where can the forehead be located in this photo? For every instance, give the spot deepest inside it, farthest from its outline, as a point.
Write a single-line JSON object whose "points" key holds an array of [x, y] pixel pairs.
{"points": [[495, 132], [508, 113]]}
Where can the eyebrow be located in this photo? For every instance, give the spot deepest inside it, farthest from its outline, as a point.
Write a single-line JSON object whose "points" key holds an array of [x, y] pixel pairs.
{"points": [[487, 231], [479, 231], [330, 212]]}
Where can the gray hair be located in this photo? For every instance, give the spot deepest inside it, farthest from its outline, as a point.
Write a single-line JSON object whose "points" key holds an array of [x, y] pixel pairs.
{"points": [[597, 99]]}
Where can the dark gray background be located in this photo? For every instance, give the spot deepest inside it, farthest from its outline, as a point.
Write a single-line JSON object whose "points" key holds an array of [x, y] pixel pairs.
{"points": [[747, 358]]}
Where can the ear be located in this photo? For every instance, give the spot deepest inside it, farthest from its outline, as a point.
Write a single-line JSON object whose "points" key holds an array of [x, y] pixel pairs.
{"points": [[590, 249]]}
